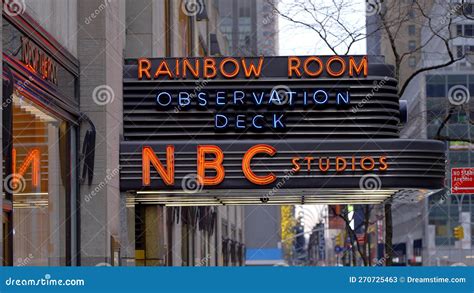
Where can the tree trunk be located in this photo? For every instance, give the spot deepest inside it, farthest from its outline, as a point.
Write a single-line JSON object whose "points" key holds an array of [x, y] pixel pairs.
{"points": [[388, 235]]}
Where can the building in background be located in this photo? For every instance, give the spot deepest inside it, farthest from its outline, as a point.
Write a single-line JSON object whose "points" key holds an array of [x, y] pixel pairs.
{"points": [[409, 37], [263, 235], [63, 123], [250, 26], [423, 231]]}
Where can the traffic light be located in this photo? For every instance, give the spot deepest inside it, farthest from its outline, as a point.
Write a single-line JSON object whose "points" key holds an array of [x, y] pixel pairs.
{"points": [[458, 232]]}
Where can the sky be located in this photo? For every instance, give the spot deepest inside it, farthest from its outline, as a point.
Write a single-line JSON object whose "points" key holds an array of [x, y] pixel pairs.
{"points": [[303, 41]]}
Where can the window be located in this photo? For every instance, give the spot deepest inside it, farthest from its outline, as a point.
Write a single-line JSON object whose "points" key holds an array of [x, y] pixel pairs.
{"points": [[471, 88], [436, 86], [468, 30], [459, 30], [244, 8], [411, 30], [41, 167], [411, 45], [468, 8], [412, 61], [456, 79], [464, 50], [459, 51]]}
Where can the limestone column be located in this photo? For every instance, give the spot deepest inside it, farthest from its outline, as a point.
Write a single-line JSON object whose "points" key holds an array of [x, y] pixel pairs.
{"points": [[101, 37]]}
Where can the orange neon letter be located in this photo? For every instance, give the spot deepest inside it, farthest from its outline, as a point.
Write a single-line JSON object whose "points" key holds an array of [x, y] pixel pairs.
{"points": [[33, 158], [148, 155], [163, 69], [365, 167], [296, 164], [294, 67], [251, 68], [233, 73], [313, 73], [187, 66], [216, 164], [342, 167], [383, 163], [209, 68], [249, 174], [358, 68], [144, 66], [330, 71]]}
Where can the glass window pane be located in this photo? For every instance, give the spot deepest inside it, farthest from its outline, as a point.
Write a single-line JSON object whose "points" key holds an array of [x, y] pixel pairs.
{"points": [[39, 194]]}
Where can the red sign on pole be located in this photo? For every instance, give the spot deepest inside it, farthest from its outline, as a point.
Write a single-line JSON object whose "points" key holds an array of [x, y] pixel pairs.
{"points": [[462, 180]]}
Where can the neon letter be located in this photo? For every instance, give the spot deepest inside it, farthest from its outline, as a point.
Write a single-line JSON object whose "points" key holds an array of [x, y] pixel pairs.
{"points": [[148, 155], [215, 164], [249, 174]]}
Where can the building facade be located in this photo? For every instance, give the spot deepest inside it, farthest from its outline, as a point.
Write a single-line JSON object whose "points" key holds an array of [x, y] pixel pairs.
{"points": [[251, 27], [63, 64], [431, 241]]}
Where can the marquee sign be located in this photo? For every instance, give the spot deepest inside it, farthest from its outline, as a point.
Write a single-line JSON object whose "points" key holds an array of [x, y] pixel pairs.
{"points": [[303, 128], [38, 61], [277, 99]]}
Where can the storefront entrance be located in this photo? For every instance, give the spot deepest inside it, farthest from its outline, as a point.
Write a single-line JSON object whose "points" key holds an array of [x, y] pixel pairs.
{"points": [[40, 123]]}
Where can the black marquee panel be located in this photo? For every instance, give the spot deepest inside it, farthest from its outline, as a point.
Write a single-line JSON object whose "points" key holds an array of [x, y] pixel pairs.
{"points": [[412, 163], [373, 111]]}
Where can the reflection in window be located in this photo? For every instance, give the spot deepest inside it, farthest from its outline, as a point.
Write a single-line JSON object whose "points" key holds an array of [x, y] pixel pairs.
{"points": [[39, 193], [436, 86], [412, 61]]}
